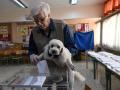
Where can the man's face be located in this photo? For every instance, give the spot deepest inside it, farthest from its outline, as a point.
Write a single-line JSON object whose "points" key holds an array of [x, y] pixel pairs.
{"points": [[42, 19]]}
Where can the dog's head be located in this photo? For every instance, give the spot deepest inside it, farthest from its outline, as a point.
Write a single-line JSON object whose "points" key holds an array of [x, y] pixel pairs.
{"points": [[55, 47]]}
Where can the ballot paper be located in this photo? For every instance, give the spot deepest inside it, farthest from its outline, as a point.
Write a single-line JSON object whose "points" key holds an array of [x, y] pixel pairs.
{"points": [[93, 54], [113, 56], [43, 68], [108, 59], [113, 64], [116, 58], [115, 69], [98, 56], [34, 81], [104, 59], [107, 54]]}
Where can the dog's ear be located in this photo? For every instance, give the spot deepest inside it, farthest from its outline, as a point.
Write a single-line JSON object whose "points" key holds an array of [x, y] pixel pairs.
{"points": [[48, 48], [61, 50]]}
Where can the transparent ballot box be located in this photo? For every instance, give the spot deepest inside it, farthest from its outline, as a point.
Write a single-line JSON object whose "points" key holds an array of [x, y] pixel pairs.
{"points": [[35, 77]]}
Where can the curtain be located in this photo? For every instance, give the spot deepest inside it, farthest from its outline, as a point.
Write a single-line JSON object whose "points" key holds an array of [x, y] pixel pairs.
{"points": [[116, 4], [111, 6], [97, 34], [84, 40], [111, 32], [117, 35]]}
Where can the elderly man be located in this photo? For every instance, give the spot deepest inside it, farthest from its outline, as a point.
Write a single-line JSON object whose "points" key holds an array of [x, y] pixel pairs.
{"points": [[47, 29]]}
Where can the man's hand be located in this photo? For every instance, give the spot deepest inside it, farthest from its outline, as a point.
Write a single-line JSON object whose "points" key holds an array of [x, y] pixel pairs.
{"points": [[34, 59]]}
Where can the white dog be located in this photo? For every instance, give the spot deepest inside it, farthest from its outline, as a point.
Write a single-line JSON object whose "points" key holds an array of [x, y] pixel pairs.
{"points": [[56, 52]]}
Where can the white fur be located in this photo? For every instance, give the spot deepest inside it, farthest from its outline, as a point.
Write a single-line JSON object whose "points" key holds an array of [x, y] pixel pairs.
{"points": [[63, 59]]}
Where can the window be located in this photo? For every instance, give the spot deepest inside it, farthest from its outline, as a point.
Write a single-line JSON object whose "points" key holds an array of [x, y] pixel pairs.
{"points": [[97, 34], [111, 32]]}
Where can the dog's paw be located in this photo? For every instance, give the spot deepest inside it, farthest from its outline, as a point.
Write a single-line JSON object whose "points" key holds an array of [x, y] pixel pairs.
{"points": [[79, 76]]}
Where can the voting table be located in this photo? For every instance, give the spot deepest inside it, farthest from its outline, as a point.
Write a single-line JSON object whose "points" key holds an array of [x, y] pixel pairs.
{"points": [[110, 61], [34, 77]]}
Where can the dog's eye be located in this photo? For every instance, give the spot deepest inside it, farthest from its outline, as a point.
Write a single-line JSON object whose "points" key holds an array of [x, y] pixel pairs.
{"points": [[52, 46], [58, 46]]}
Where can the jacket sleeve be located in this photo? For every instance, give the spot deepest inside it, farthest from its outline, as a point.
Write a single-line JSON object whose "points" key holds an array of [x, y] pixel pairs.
{"points": [[32, 46], [69, 41]]}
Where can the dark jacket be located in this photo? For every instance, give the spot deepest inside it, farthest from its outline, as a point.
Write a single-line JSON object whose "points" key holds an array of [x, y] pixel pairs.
{"points": [[57, 30]]}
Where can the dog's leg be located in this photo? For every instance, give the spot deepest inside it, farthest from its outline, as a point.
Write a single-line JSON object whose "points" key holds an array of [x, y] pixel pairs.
{"points": [[70, 65], [71, 79], [71, 69]]}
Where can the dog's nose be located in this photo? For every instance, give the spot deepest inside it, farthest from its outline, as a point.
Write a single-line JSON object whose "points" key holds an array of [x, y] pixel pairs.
{"points": [[53, 51]]}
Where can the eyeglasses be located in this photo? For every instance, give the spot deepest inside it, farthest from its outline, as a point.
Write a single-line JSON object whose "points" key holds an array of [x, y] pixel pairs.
{"points": [[37, 18]]}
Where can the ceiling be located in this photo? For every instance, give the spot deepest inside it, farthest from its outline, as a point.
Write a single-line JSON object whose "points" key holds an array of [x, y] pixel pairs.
{"points": [[60, 9], [62, 3], [8, 4]]}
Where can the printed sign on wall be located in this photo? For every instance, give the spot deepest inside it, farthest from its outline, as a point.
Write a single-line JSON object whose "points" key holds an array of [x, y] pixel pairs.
{"points": [[4, 35], [82, 27], [23, 30]]}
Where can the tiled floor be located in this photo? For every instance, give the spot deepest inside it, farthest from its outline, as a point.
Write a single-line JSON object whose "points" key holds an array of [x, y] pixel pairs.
{"points": [[99, 84]]}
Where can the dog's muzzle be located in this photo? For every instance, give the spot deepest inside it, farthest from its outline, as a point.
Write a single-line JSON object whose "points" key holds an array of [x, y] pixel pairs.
{"points": [[54, 52]]}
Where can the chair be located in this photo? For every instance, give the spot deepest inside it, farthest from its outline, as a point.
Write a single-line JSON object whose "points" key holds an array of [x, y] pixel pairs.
{"points": [[4, 56], [16, 57]]}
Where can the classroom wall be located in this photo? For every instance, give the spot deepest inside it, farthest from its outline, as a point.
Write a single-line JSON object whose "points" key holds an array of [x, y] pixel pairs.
{"points": [[68, 12], [71, 14], [91, 22], [16, 37]]}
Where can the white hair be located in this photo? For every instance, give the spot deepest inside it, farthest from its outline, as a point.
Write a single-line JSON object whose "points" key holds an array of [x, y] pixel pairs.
{"points": [[42, 7]]}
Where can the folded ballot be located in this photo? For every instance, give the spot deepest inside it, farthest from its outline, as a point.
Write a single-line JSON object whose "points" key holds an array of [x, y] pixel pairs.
{"points": [[43, 68]]}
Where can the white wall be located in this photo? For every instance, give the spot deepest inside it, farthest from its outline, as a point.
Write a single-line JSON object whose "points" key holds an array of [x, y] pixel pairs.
{"points": [[13, 15], [94, 11], [69, 12], [16, 37]]}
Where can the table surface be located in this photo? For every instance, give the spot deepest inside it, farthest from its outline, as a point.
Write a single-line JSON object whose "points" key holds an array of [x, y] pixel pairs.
{"points": [[111, 61]]}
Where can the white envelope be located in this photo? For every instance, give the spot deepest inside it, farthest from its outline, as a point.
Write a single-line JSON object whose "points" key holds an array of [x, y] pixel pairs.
{"points": [[43, 68]]}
